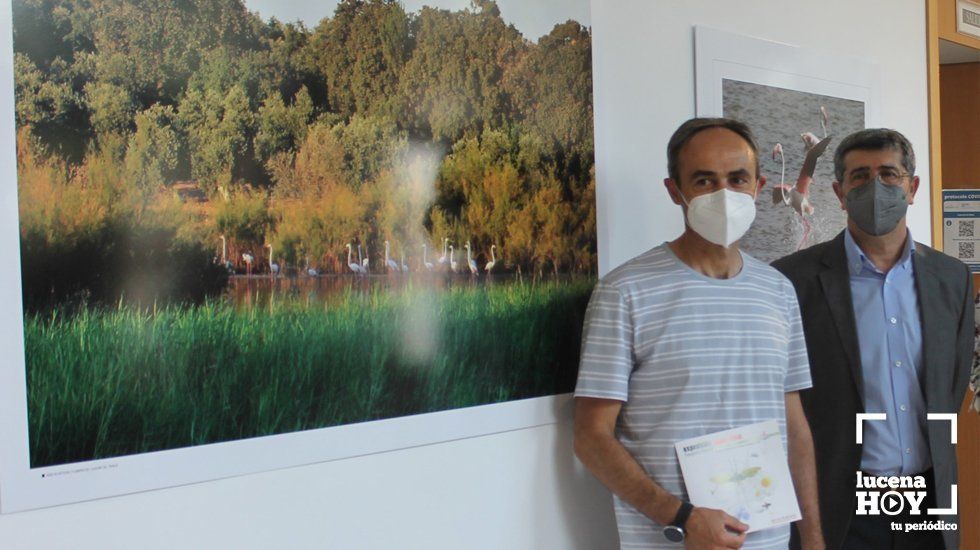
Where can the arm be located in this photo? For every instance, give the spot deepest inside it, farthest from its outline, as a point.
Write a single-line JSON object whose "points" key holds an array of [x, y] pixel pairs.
{"points": [[597, 447], [802, 468]]}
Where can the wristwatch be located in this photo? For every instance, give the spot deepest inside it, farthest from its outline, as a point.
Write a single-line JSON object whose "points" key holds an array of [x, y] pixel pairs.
{"points": [[675, 531]]}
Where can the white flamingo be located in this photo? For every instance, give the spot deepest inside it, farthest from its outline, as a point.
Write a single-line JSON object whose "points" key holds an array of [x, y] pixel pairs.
{"points": [[311, 271], [389, 263], [452, 262], [428, 265], [354, 266], [443, 259], [493, 260], [367, 258], [224, 256], [404, 265], [470, 262], [273, 266], [248, 259]]}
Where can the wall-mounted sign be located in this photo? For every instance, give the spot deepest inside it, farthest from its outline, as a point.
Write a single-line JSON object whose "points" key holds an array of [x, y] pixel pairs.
{"points": [[968, 18], [961, 226]]}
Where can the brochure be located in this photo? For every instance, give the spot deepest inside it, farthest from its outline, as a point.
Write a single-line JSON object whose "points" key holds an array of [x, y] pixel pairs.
{"points": [[742, 471]]}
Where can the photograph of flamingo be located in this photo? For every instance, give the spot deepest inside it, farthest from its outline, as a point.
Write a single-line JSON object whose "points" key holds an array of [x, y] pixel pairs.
{"points": [[796, 133], [249, 218]]}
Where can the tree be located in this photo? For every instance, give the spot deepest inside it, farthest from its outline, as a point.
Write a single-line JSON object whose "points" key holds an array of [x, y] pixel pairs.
{"points": [[219, 129], [280, 127], [360, 53], [153, 153], [49, 104], [453, 82], [112, 108]]}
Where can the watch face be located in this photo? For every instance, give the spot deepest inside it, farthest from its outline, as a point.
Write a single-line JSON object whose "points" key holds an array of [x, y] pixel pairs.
{"points": [[674, 533]]}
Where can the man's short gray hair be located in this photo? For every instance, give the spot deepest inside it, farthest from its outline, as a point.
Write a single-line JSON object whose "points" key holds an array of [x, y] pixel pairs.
{"points": [[874, 139], [692, 127]]}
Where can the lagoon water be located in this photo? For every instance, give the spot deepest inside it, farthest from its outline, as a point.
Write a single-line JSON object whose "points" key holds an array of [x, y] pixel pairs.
{"points": [[265, 291], [778, 115]]}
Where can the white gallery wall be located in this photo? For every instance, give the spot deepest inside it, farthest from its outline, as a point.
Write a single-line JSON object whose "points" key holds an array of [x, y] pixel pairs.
{"points": [[643, 66], [520, 489]]}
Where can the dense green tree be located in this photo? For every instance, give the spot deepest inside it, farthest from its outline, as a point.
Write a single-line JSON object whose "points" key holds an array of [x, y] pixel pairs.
{"points": [[453, 82], [552, 89], [48, 102], [282, 127], [361, 52], [153, 152], [219, 128]]}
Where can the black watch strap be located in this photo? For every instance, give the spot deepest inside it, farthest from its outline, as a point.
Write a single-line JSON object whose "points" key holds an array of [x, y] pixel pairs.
{"points": [[682, 514]]}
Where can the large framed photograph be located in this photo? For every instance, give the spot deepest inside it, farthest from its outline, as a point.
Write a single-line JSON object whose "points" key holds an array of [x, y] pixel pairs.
{"points": [[236, 243], [799, 103]]}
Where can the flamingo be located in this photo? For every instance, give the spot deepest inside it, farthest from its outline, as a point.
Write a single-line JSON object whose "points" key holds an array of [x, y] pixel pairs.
{"points": [[404, 265], [389, 263], [452, 262], [248, 259], [224, 256], [354, 266], [428, 265], [443, 259], [273, 266], [311, 271], [367, 258], [470, 262], [798, 196], [493, 261]]}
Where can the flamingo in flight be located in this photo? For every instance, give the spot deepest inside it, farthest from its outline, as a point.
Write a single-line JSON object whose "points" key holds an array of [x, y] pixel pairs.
{"points": [[798, 196]]}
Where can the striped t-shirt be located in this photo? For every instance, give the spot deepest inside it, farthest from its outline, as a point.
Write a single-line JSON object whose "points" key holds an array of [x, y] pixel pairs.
{"points": [[689, 355]]}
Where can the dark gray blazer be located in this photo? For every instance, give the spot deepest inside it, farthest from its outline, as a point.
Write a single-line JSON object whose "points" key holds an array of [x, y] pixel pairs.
{"points": [[945, 289]]}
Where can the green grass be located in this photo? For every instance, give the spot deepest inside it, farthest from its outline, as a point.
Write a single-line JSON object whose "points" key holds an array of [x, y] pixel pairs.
{"points": [[104, 383]]}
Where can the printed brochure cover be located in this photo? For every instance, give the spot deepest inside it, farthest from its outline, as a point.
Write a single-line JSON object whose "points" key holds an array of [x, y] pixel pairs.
{"points": [[742, 471]]}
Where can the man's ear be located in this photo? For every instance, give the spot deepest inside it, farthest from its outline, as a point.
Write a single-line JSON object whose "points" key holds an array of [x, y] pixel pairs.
{"points": [[760, 185], [913, 187], [839, 191], [674, 191]]}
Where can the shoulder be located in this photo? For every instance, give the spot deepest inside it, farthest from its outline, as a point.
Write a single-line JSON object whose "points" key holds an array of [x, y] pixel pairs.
{"points": [[806, 258], [640, 270], [763, 273], [940, 263]]}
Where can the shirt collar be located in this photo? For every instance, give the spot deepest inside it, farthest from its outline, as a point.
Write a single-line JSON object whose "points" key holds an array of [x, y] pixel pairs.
{"points": [[857, 260]]}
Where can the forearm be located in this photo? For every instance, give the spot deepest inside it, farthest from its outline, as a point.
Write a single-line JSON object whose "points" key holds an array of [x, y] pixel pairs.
{"points": [[803, 469], [616, 468]]}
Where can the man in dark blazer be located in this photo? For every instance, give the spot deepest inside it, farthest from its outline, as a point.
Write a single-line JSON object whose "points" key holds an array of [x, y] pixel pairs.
{"points": [[889, 328]]}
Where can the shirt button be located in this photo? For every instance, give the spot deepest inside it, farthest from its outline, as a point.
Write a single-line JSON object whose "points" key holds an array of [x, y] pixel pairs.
{"points": [[903, 407], [893, 320], [898, 363]]}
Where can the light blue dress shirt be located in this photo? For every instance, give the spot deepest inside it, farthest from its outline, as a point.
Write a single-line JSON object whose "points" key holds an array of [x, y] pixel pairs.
{"points": [[886, 309]]}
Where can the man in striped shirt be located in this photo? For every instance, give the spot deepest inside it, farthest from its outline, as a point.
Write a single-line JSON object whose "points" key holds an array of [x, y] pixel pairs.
{"points": [[690, 338]]}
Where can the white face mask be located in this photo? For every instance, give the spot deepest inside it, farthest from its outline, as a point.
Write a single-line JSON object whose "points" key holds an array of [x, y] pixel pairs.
{"points": [[721, 217]]}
